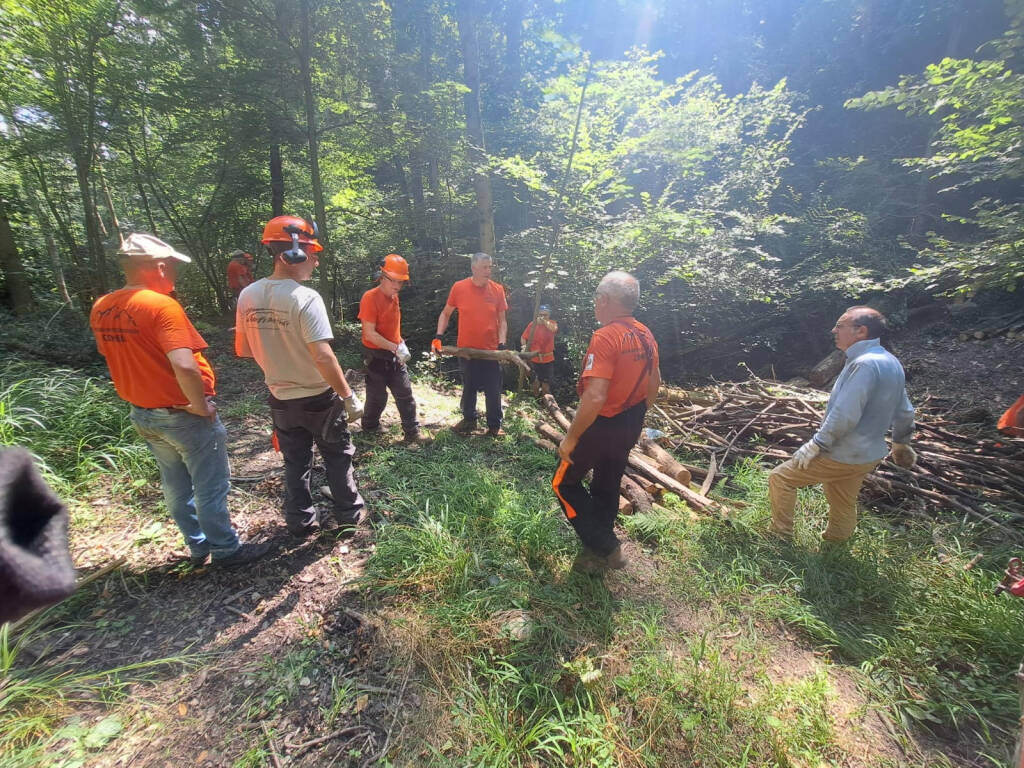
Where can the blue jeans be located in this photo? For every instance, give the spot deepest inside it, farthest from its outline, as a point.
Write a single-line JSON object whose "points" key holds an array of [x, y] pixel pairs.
{"points": [[192, 454]]}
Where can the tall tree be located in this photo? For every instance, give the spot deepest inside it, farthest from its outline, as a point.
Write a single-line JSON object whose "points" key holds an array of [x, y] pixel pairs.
{"points": [[466, 13]]}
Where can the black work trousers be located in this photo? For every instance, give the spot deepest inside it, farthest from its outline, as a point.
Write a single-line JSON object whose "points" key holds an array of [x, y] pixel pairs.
{"points": [[384, 372], [481, 375], [300, 423], [604, 448]]}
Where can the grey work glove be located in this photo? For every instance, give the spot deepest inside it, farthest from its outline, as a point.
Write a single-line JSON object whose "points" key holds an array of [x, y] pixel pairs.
{"points": [[402, 353], [903, 455], [805, 453], [35, 564], [353, 408]]}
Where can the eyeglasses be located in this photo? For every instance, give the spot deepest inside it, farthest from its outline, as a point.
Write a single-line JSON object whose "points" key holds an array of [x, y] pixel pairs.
{"points": [[839, 326]]}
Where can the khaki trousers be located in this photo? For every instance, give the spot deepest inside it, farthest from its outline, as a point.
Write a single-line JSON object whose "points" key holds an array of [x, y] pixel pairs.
{"points": [[841, 483]]}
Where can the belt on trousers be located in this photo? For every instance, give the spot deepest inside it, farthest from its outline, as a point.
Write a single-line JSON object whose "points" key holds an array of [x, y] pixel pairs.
{"points": [[169, 409]]}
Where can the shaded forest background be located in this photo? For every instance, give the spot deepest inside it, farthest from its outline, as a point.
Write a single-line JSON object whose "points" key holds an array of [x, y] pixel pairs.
{"points": [[759, 165]]}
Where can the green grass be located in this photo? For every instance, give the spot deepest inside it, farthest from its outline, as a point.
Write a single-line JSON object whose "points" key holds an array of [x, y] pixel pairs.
{"points": [[75, 426], [473, 538]]}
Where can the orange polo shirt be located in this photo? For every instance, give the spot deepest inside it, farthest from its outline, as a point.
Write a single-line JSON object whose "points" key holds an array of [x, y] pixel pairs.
{"points": [[478, 312], [625, 353], [134, 330], [385, 313]]}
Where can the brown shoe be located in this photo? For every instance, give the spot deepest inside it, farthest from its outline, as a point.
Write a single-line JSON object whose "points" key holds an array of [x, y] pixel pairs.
{"points": [[616, 559], [419, 437], [589, 562], [499, 432], [464, 427]]}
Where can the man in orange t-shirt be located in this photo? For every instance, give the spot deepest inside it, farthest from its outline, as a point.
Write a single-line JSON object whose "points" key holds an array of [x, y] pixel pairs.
{"points": [[240, 272], [620, 379], [539, 336], [156, 362], [385, 352], [482, 325]]}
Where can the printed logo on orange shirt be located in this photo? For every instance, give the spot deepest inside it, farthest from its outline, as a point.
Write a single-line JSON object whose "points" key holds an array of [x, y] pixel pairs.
{"points": [[590, 362]]}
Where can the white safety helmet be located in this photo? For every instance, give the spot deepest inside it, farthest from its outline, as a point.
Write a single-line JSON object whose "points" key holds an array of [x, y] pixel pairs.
{"points": [[142, 246]]}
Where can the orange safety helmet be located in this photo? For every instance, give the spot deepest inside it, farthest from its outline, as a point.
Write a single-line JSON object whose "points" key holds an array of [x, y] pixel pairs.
{"points": [[281, 228], [395, 267]]}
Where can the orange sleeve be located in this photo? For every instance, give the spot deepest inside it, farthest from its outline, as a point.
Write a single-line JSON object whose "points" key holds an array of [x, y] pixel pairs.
{"points": [[600, 360], [174, 331], [368, 308], [453, 296], [526, 332], [502, 304]]}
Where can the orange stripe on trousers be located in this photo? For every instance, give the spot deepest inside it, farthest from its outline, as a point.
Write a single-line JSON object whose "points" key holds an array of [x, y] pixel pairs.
{"points": [[569, 511]]}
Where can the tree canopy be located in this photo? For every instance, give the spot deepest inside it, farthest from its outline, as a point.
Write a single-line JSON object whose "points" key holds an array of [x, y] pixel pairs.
{"points": [[756, 164]]}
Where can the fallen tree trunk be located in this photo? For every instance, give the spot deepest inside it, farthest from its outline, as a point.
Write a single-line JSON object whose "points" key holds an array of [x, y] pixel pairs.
{"points": [[666, 461], [556, 413], [694, 499]]}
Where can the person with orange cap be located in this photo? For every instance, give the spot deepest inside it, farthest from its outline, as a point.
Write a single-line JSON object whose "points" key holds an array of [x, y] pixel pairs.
{"points": [[240, 272], [155, 357], [384, 350], [284, 326]]}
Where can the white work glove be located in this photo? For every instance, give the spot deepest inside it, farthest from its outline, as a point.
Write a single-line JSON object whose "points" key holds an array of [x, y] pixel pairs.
{"points": [[903, 455], [402, 353], [804, 454], [353, 408]]}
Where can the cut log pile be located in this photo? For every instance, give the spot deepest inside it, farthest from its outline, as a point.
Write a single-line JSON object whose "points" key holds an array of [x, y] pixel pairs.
{"points": [[1010, 325], [651, 470], [980, 479]]}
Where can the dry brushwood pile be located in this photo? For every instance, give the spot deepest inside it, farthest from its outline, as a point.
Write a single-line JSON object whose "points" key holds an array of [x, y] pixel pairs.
{"points": [[977, 478]]}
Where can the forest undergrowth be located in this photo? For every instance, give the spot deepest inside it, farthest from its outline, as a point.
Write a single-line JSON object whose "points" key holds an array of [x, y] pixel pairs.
{"points": [[717, 646]]}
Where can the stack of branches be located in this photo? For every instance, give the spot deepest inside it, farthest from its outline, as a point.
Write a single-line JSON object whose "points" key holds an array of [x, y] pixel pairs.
{"points": [[1011, 325], [980, 479], [650, 473]]}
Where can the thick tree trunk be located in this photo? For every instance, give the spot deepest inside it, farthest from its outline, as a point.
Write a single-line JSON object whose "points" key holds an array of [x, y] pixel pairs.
{"points": [[18, 289], [312, 117], [51, 248], [90, 218], [465, 11]]}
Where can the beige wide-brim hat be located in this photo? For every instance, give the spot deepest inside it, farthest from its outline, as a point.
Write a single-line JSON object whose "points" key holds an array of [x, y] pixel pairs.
{"points": [[149, 248]]}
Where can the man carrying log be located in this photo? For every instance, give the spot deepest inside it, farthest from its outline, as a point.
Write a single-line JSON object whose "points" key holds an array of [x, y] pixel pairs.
{"points": [[482, 325], [867, 399], [284, 326], [155, 357], [539, 337], [620, 379]]}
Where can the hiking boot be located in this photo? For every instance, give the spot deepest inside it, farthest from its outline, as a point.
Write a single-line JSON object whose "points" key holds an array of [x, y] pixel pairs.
{"points": [[198, 561], [464, 427], [303, 531], [246, 553], [616, 559], [347, 522], [589, 562], [419, 437], [495, 432]]}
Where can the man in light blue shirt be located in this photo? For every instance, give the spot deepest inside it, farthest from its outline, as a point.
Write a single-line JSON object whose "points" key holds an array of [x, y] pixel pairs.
{"points": [[868, 398]]}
